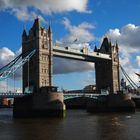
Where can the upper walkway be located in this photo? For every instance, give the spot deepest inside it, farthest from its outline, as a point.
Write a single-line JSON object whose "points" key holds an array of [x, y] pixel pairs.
{"points": [[82, 55]]}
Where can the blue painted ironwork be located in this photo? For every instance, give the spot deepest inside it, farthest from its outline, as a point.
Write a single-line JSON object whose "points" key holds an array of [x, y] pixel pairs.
{"points": [[68, 96], [10, 95], [12, 67], [28, 90], [10, 64]]}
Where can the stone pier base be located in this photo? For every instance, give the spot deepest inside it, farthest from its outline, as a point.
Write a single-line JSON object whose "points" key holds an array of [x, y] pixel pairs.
{"points": [[39, 105], [111, 103]]}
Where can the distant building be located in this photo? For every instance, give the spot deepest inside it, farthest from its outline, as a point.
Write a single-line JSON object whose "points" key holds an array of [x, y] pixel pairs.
{"points": [[89, 88], [86, 89]]}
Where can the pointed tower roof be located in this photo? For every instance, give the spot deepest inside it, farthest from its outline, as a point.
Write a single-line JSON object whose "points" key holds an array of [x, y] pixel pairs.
{"points": [[24, 33], [105, 42], [36, 24], [106, 46], [49, 29], [117, 47], [95, 49]]}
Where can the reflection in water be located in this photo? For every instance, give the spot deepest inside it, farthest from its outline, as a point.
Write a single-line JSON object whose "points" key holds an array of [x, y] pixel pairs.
{"points": [[107, 127], [77, 125]]}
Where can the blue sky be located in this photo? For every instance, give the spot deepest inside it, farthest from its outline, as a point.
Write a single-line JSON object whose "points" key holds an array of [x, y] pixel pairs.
{"points": [[86, 20]]}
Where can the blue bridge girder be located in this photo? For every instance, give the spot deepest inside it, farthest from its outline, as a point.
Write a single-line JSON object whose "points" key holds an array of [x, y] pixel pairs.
{"points": [[10, 95], [77, 95], [19, 61]]}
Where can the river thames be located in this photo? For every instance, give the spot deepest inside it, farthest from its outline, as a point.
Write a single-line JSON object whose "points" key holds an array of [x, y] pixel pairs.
{"points": [[76, 125]]}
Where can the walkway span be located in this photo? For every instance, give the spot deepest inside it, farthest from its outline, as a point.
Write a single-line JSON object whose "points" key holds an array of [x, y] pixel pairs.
{"points": [[75, 54]]}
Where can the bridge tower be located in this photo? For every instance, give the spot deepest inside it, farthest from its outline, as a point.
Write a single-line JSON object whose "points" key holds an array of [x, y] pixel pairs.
{"points": [[38, 72], [107, 72]]}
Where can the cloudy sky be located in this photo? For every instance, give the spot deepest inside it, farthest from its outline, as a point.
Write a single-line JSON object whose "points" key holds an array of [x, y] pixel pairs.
{"points": [[88, 21]]}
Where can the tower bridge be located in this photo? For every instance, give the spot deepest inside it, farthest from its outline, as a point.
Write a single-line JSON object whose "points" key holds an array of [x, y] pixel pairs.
{"points": [[106, 60], [37, 72]]}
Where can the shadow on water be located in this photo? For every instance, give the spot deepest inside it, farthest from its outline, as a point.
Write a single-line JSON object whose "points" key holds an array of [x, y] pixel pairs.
{"points": [[77, 125]]}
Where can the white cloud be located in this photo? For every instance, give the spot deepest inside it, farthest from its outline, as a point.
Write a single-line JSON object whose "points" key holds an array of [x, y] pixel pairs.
{"points": [[23, 14], [138, 60], [80, 32], [21, 9], [128, 38], [5, 56]]}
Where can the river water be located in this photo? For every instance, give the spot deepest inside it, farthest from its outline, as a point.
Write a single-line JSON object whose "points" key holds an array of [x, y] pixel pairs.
{"points": [[76, 125]]}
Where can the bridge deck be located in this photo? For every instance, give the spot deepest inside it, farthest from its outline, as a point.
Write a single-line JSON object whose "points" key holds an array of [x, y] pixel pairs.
{"points": [[78, 55], [66, 95]]}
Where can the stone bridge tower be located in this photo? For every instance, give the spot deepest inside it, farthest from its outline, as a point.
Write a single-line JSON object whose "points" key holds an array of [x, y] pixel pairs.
{"points": [[107, 72], [38, 72]]}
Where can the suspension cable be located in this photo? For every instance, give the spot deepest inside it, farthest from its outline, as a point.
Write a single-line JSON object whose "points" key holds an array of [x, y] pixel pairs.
{"points": [[7, 70], [132, 83], [10, 64], [129, 77], [7, 85], [28, 72]]}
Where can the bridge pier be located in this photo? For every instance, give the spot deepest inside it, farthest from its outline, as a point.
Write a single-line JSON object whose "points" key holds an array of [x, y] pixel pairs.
{"points": [[111, 103], [47, 103]]}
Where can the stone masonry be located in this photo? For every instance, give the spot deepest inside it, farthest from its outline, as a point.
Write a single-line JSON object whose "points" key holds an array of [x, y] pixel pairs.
{"points": [[37, 72]]}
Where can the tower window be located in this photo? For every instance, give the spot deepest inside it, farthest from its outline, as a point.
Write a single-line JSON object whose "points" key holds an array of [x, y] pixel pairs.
{"points": [[34, 33], [41, 32]]}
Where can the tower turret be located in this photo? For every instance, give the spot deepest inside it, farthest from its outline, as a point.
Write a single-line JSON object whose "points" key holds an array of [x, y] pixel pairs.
{"points": [[24, 35], [37, 24], [106, 46], [95, 49]]}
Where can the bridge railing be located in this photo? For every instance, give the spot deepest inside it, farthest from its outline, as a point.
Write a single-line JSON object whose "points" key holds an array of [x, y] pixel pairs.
{"points": [[76, 95], [10, 94]]}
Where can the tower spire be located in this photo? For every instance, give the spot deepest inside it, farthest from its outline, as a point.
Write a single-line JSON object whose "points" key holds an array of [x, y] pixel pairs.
{"points": [[49, 29], [24, 34], [37, 23], [50, 54]]}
